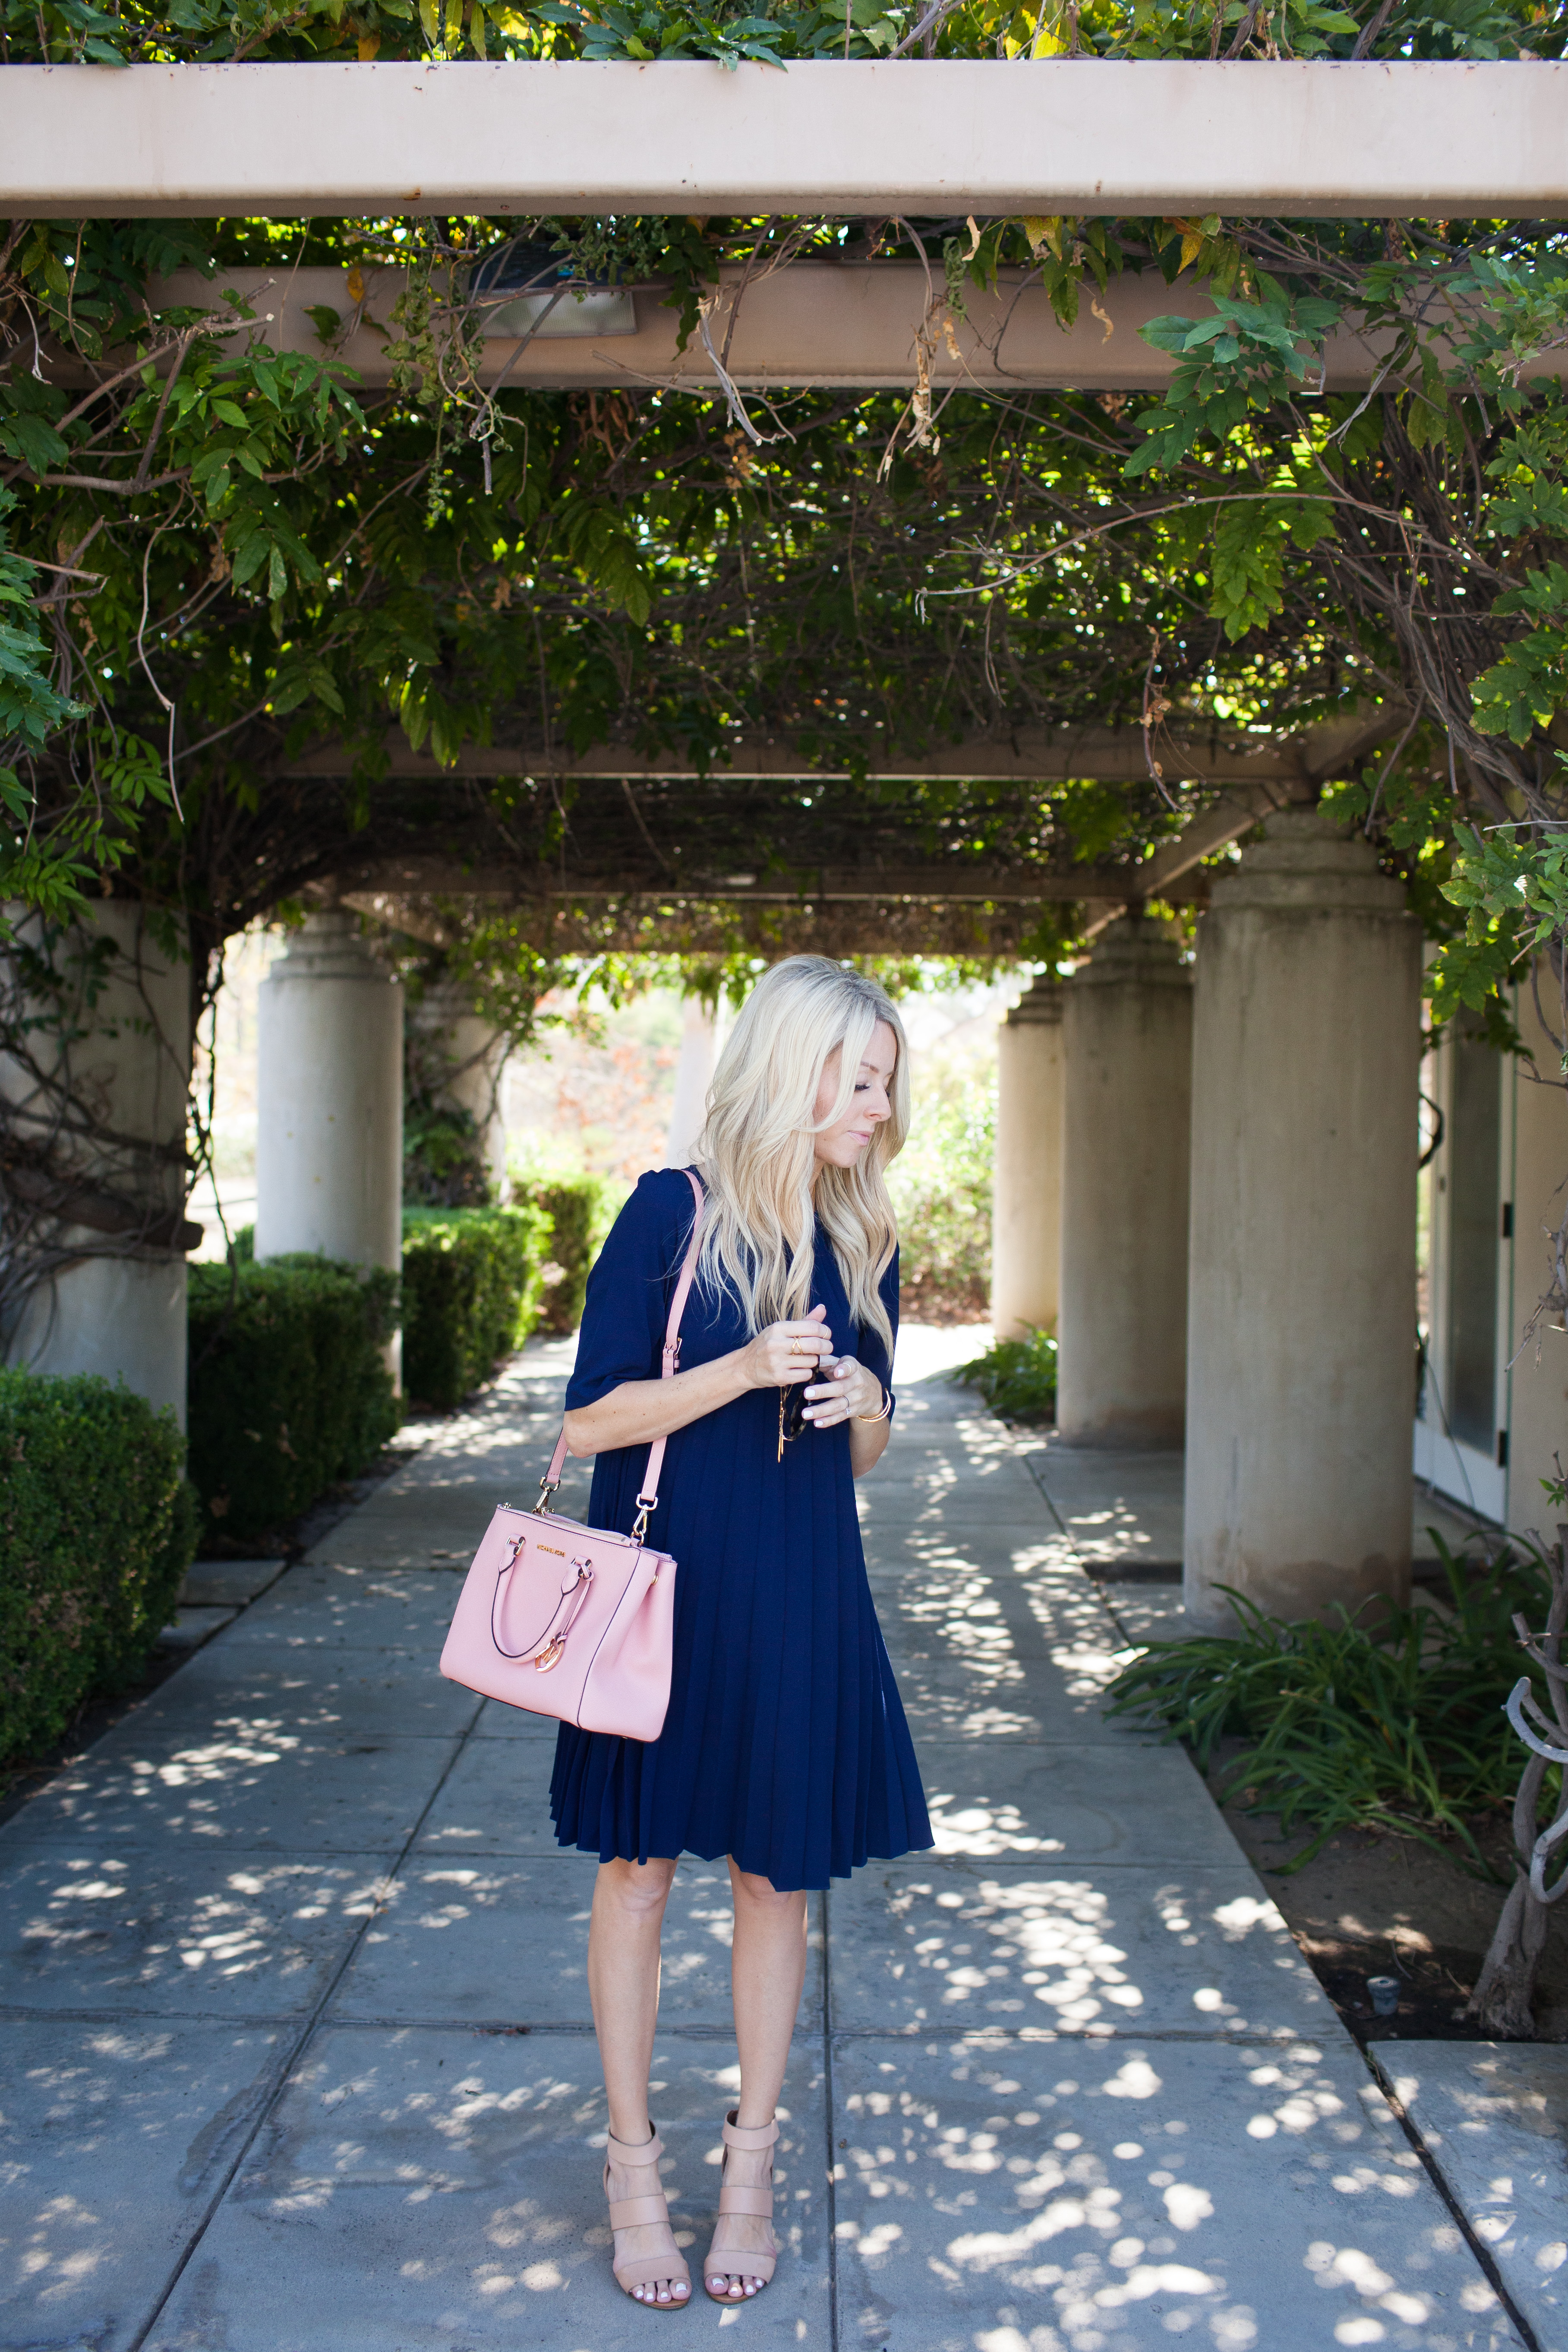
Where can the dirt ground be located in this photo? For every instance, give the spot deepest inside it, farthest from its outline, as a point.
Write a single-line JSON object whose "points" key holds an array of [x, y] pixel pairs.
{"points": [[1372, 1904]]}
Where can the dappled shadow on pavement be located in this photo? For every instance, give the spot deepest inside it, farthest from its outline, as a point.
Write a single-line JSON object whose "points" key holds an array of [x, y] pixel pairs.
{"points": [[300, 2049]]}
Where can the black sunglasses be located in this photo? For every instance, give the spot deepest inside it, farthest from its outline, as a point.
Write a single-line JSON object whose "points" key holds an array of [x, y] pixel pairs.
{"points": [[792, 1409]]}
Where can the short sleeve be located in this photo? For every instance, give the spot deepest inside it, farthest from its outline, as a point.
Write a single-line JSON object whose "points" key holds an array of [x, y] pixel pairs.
{"points": [[630, 1288], [871, 1351]]}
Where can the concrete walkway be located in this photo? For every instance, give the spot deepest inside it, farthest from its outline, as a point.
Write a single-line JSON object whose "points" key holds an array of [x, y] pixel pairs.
{"points": [[299, 2056]]}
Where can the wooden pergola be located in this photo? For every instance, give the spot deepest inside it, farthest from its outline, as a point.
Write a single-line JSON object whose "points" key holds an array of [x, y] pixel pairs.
{"points": [[949, 136], [918, 137]]}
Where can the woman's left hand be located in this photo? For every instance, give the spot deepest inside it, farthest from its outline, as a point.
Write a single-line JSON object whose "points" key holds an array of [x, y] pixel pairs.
{"points": [[850, 1393]]}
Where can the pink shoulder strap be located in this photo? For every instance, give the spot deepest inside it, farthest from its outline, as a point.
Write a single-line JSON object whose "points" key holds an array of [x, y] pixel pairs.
{"points": [[648, 1493]]}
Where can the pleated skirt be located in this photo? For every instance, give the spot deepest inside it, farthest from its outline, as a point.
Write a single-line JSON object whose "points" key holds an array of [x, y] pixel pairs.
{"points": [[786, 1744]]}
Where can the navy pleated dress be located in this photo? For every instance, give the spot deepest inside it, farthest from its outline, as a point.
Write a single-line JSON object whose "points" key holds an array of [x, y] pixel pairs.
{"points": [[785, 1745]]}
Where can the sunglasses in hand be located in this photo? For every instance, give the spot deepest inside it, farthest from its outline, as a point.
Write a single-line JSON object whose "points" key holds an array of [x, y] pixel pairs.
{"points": [[792, 1403]]}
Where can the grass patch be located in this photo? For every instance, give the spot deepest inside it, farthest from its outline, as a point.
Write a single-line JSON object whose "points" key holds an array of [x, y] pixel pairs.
{"points": [[1396, 1724], [1017, 1377]]}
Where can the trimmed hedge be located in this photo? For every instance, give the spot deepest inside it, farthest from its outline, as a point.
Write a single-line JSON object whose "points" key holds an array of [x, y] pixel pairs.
{"points": [[581, 1209], [98, 1527], [289, 1386], [471, 1283]]}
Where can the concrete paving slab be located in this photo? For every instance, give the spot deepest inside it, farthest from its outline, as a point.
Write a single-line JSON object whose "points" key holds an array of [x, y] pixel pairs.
{"points": [[956, 1609], [421, 1526], [274, 1790], [496, 1800], [257, 1688], [949, 1461], [178, 1934], [498, 1721], [428, 2177], [1114, 1504], [229, 1583], [114, 2139], [1150, 1613], [1123, 1950], [972, 1696], [1494, 2117], [966, 1455], [931, 1352], [981, 1530], [939, 1598], [1109, 2195], [1008, 1799], [192, 1629], [322, 1605], [440, 2189], [498, 1941], [987, 1547]]}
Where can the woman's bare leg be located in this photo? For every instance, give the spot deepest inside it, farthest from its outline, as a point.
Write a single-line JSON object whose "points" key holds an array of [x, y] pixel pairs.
{"points": [[629, 1901], [768, 1970]]}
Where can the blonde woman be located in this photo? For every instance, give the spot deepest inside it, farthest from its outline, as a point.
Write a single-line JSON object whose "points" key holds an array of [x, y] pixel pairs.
{"points": [[784, 1748]]}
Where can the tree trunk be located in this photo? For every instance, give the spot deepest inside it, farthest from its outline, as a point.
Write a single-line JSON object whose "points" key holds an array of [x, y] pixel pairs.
{"points": [[1501, 1999]]}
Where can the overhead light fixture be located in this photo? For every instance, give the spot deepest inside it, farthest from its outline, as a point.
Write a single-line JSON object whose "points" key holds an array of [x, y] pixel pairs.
{"points": [[521, 289]]}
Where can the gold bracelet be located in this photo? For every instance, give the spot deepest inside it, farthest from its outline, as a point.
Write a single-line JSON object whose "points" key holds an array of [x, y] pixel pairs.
{"points": [[885, 1408]]}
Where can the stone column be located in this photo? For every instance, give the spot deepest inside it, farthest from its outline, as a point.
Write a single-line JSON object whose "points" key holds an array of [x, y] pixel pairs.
{"points": [[99, 1197], [1026, 1214], [1300, 1377], [468, 1059], [328, 1162], [1127, 1036], [694, 1076]]}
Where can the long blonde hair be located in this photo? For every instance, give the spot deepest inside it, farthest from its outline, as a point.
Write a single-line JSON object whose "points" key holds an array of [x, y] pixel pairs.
{"points": [[757, 1151]]}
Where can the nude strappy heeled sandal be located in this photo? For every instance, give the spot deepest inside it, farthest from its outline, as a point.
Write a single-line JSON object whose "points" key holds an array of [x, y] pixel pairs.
{"points": [[741, 2261], [631, 2213]]}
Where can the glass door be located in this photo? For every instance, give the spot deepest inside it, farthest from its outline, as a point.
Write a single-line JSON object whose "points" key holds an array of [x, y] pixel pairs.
{"points": [[1461, 1430]]}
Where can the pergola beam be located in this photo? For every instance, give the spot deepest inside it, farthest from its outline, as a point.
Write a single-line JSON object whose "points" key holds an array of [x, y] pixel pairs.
{"points": [[709, 927], [969, 904], [956, 881], [849, 324], [945, 136], [1292, 765], [961, 881]]}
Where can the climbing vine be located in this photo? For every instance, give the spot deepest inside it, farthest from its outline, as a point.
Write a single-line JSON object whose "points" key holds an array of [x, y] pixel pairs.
{"points": [[234, 578]]}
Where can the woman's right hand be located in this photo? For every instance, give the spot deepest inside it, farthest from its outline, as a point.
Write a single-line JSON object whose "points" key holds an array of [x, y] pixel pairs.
{"points": [[787, 1351]]}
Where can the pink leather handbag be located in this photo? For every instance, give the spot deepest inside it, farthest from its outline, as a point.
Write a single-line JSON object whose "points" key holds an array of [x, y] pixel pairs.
{"points": [[569, 1620]]}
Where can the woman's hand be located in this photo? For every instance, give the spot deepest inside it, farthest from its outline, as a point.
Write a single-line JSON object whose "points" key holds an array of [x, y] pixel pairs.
{"points": [[849, 1392], [787, 1351]]}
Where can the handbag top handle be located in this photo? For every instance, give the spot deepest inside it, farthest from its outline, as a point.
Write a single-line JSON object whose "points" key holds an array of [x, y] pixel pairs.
{"points": [[648, 1493]]}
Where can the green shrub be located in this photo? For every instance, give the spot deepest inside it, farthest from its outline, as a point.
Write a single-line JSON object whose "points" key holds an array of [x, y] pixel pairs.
{"points": [[471, 1283], [98, 1527], [1396, 1723], [581, 1209], [1017, 1377], [288, 1384], [941, 1187]]}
